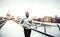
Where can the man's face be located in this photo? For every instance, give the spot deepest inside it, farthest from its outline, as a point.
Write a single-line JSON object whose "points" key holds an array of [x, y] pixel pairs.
{"points": [[27, 14]]}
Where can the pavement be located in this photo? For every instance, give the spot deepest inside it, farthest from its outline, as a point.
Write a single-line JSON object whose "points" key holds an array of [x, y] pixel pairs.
{"points": [[12, 29]]}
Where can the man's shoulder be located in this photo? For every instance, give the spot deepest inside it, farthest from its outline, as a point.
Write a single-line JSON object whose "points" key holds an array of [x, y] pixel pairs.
{"points": [[24, 17]]}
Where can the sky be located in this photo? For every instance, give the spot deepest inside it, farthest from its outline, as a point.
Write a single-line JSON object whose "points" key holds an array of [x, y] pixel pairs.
{"points": [[36, 8]]}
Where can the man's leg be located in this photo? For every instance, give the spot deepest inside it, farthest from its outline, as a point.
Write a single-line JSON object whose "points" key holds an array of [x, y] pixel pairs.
{"points": [[27, 32]]}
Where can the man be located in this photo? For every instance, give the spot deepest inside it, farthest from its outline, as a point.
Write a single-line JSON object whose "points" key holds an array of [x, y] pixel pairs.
{"points": [[26, 23]]}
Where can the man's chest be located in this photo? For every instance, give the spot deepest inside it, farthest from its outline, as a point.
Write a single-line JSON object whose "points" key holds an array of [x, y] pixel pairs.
{"points": [[27, 19]]}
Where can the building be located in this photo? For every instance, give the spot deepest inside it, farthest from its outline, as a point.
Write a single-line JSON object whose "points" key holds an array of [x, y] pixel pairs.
{"points": [[37, 19], [8, 16], [47, 19], [17, 19], [53, 20], [12, 18], [42, 20], [57, 20]]}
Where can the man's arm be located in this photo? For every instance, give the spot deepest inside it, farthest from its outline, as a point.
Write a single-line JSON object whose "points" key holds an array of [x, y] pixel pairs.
{"points": [[21, 21], [28, 23]]}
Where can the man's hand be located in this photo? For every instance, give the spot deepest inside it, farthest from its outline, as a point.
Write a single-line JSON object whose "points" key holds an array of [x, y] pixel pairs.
{"points": [[23, 26], [30, 22]]}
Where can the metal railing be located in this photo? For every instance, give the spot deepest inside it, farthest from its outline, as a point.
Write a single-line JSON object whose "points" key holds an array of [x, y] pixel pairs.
{"points": [[3, 22]]}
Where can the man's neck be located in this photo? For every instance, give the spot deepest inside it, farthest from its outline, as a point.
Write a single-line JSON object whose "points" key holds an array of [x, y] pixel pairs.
{"points": [[27, 16]]}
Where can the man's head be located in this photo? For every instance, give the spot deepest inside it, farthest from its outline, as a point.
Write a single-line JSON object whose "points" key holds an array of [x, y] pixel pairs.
{"points": [[27, 14]]}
